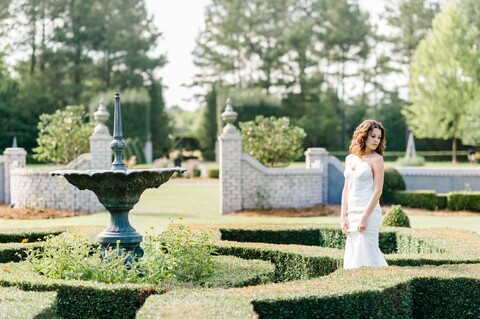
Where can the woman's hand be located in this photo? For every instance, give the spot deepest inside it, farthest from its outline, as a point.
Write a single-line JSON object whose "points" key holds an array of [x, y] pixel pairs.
{"points": [[362, 224], [344, 225]]}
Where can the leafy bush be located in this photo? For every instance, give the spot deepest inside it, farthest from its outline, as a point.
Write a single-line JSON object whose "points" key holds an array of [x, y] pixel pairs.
{"points": [[273, 142], [416, 199], [464, 201], [178, 253], [392, 182], [396, 217], [213, 172], [53, 146], [414, 161]]}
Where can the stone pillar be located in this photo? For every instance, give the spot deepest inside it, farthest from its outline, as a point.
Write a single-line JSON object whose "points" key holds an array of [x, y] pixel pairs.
{"points": [[100, 151], [14, 157], [230, 146], [317, 158]]}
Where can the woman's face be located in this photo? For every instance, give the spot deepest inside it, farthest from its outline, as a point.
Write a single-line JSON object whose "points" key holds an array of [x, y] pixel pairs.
{"points": [[373, 140]]}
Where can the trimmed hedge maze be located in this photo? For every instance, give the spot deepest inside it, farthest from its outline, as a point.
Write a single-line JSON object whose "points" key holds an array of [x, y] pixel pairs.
{"points": [[284, 271]]}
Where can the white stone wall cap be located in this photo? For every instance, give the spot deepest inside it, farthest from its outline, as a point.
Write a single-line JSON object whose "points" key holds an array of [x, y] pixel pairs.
{"points": [[279, 171], [444, 171], [316, 151], [15, 151]]}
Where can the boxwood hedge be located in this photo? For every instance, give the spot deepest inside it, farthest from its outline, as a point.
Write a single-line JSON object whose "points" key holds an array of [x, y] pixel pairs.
{"points": [[305, 280]]}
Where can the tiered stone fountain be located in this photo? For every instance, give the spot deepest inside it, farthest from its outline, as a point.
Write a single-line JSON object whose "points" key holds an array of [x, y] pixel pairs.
{"points": [[119, 189]]}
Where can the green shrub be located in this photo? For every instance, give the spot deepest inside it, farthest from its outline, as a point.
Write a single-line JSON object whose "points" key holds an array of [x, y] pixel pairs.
{"points": [[414, 161], [442, 201], [416, 199], [178, 253], [54, 128], [464, 201], [213, 172], [271, 141], [396, 217], [392, 182]]}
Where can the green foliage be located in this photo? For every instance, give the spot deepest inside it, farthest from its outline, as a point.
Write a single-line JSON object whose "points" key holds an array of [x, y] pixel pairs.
{"points": [[469, 201], [273, 142], [248, 103], [63, 135], [134, 150], [207, 132], [396, 217], [213, 172], [159, 122], [177, 253], [411, 161], [444, 83], [416, 199], [392, 182]]}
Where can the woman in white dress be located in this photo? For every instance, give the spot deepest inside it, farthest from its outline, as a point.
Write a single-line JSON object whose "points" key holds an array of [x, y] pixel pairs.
{"points": [[361, 214]]}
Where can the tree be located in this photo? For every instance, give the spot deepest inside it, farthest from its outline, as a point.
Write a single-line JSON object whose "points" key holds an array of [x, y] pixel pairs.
{"points": [[53, 128], [207, 133], [444, 79], [273, 142]]}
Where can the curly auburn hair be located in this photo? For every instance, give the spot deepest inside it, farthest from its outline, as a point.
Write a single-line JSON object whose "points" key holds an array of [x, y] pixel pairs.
{"points": [[357, 146]]}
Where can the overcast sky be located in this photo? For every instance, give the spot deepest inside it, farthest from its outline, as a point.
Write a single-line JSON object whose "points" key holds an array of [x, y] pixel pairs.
{"points": [[180, 22]]}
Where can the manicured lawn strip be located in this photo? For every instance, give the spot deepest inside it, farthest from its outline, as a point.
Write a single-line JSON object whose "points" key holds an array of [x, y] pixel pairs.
{"points": [[391, 292], [16, 303]]}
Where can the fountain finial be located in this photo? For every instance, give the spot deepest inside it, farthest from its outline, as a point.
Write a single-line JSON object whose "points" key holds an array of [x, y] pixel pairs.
{"points": [[118, 144]]}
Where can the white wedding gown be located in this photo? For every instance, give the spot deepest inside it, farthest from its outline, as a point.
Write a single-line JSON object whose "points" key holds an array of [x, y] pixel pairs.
{"points": [[361, 249]]}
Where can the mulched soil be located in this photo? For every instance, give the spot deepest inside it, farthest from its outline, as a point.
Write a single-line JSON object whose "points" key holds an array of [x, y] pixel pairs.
{"points": [[7, 212]]}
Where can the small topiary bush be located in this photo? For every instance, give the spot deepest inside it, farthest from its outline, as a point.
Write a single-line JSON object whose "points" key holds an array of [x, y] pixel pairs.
{"points": [[396, 217], [213, 172], [392, 182]]}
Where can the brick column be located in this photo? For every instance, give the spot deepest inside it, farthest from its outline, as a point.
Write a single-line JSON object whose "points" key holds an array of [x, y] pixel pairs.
{"points": [[230, 145], [13, 157], [317, 158], [100, 151]]}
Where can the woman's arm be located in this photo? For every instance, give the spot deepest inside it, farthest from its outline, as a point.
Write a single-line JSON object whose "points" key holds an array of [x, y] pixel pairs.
{"points": [[344, 206], [378, 170]]}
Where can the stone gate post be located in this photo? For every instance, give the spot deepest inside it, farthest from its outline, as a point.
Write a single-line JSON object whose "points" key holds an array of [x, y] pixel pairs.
{"points": [[100, 151], [230, 145], [13, 157], [317, 158]]}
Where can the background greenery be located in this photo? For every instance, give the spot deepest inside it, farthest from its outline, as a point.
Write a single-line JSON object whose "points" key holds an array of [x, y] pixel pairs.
{"points": [[325, 64]]}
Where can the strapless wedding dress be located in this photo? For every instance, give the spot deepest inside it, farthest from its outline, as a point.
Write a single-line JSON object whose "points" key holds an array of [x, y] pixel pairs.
{"points": [[361, 249]]}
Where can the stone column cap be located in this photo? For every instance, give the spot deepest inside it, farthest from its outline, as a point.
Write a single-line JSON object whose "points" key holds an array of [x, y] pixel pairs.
{"points": [[15, 151], [316, 151]]}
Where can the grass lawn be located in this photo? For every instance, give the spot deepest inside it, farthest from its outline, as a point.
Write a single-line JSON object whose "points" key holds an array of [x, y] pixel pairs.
{"points": [[198, 203]]}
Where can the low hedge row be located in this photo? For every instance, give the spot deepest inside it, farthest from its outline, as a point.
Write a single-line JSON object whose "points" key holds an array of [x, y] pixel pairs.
{"points": [[16, 303], [321, 288], [464, 201], [86, 299], [468, 201], [434, 292]]}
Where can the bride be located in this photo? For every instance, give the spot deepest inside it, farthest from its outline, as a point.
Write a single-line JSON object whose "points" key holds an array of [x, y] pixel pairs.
{"points": [[361, 214]]}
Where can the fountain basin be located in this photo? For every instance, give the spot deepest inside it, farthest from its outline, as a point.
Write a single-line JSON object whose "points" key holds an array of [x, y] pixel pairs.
{"points": [[119, 191]]}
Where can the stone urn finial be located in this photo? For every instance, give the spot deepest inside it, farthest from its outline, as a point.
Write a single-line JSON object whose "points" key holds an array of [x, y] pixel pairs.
{"points": [[101, 116], [229, 116]]}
